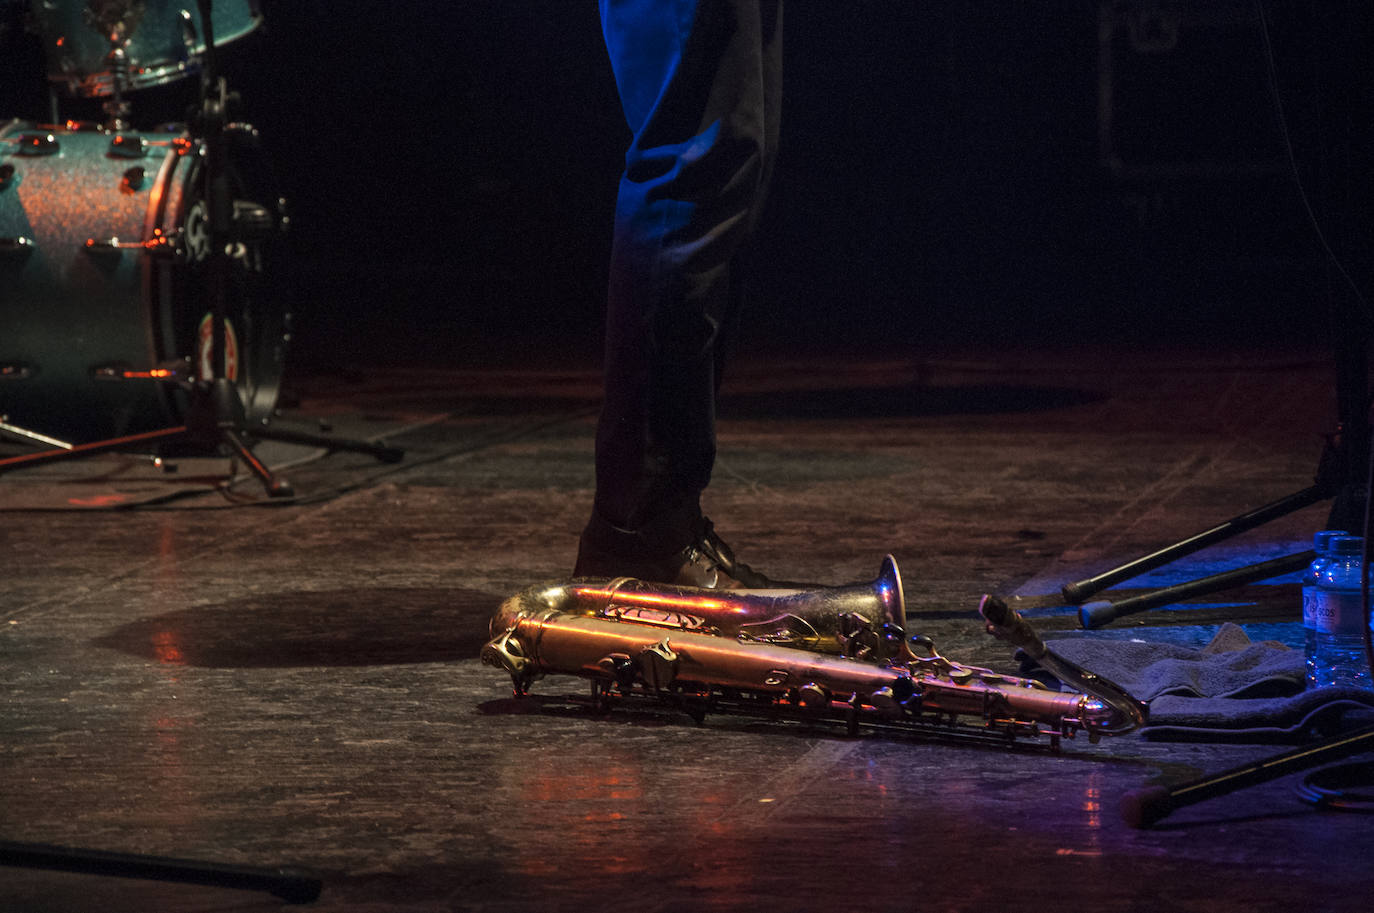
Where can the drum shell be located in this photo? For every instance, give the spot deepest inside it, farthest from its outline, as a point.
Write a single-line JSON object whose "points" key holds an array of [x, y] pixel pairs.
{"points": [[69, 311], [78, 54]]}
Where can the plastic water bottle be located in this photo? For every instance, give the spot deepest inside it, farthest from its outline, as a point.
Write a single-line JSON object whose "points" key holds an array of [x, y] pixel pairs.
{"points": [[1321, 544], [1334, 617]]}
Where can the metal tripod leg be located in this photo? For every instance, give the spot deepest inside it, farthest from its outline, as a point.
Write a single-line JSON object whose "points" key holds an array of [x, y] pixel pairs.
{"points": [[382, 452], [276, 486], [1097, 614], [1076, 593], [128, 442], [31, 436], [212, 434]]}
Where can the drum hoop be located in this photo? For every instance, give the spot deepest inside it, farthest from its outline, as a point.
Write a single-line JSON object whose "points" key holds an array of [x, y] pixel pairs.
{"points": [[156, 73]]}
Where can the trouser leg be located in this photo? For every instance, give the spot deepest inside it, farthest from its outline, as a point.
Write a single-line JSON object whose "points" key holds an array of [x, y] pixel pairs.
{"points": [[700, 84]]}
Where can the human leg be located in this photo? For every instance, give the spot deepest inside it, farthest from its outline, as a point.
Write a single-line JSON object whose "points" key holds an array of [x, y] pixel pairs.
{"points": [[700, 85]]}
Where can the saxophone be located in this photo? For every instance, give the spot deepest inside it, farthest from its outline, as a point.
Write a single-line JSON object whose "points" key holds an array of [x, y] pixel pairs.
{"points": [[838, 652]]}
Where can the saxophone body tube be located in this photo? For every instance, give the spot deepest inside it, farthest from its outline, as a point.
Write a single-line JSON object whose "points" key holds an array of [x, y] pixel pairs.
{"points": [[553, 642], [635, 657]]}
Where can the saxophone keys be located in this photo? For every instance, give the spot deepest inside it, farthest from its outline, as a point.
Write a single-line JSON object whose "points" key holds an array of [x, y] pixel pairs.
{"points": [[658, 665], [812, 696], [885, 701], [619, 667]]}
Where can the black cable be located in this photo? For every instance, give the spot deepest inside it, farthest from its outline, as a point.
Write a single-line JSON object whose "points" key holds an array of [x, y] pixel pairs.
{"points": [[1335, 261], [1364, 574], [1292, 159]]}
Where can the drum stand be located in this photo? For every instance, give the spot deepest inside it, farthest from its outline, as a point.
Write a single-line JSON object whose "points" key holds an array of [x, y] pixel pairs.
{"points": [[215, 418]]}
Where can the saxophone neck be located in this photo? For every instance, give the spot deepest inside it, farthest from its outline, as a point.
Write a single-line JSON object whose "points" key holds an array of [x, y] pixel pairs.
{"points": [[1005, 623]]}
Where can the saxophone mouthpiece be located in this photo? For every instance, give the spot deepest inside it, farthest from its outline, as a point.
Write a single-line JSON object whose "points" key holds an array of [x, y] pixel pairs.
{"points": [[994, 610], [1005, 623]]}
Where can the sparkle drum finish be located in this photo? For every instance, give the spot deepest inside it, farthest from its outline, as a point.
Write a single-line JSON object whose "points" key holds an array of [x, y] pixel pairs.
{"points": [[102, 246], [160, 41]]}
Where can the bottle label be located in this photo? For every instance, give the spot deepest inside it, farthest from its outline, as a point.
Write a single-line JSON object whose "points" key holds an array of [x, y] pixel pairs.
{"points": [[1333, 613]]}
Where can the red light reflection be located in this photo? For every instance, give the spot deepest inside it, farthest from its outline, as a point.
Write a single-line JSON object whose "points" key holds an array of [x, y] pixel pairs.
{"points": [[1091, 806], [167, 648], [585, 805], [684, 603]]}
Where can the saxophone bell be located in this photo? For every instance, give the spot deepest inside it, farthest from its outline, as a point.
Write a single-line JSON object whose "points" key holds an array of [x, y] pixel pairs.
{"points": [[861, 621]]}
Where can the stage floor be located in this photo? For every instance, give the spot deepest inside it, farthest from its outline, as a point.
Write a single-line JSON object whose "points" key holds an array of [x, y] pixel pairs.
{"points": [[193, 670]]}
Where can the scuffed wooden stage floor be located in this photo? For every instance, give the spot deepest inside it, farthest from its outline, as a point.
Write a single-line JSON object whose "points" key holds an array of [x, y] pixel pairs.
{"points": [[203, 675]]}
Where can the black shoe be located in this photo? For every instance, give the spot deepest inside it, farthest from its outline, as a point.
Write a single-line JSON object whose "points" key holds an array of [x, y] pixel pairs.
{"points": [[711, 559], [708, 562]]}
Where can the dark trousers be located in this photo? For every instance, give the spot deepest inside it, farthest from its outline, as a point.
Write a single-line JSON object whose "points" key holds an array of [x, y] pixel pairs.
{"points": [[700, 84]]}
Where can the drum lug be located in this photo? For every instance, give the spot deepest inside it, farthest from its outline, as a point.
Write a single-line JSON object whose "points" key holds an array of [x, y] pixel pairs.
{"points": [[37, 144], [128, 147], [20, 245]]}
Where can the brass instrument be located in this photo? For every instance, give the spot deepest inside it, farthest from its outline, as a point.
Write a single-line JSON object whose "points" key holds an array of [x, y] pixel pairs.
{"points": [[838, 652], [864, 621]]}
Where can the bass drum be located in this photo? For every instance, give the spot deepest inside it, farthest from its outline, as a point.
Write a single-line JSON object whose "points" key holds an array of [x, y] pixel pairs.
{"points": [[164, 41], [103, 247]]}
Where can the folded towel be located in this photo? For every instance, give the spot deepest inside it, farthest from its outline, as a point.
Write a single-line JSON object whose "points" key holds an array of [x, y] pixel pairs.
{"points": [[1230, 666], [1317, 714], [1232, 690]]}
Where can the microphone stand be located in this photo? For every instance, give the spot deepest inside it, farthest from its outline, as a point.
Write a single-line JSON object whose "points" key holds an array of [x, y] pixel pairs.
{"points": [[1143, 807], [1341, 474]]}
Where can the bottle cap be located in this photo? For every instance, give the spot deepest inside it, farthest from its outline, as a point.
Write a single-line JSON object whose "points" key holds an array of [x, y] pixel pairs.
{"points": [[1347, 545]]}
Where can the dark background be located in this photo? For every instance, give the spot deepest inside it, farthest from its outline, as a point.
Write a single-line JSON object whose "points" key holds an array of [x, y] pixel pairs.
{"points": [[944, 178]]}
